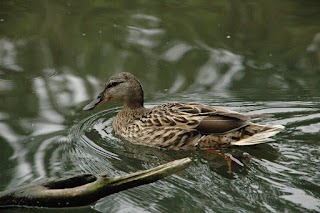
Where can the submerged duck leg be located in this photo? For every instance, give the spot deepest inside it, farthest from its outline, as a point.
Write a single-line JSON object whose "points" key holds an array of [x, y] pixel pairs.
{"points": [[225, 157]]}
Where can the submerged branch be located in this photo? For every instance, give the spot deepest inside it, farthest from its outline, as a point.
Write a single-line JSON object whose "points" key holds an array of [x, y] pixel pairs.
{"points": [[83, 189]]}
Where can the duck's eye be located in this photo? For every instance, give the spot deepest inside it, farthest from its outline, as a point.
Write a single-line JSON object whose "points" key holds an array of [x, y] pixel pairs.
{"points": [[112, 84]]}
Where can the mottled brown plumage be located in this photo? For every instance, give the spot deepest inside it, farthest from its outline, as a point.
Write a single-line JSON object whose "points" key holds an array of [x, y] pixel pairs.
{"points": [[177, 125]]}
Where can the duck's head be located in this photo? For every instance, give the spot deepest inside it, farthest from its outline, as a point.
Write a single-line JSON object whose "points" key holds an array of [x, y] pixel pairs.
{"points": [[123, 87]]}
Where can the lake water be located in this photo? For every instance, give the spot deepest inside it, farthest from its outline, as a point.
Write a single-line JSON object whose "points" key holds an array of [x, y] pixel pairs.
{"points": [[249, 56]]}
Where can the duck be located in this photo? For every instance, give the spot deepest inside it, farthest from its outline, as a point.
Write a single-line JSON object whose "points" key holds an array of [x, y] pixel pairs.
{"points": [[178, 125]]}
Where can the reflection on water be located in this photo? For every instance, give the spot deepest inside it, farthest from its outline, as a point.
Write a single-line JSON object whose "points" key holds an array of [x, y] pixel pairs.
{"points": [[54, 57]]}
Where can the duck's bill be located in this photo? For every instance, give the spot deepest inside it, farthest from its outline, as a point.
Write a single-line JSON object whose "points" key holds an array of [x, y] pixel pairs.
{"points": [[95, 103]]}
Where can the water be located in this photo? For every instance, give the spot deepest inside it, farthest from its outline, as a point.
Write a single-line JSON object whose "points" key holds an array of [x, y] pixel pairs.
{"points": [[257, 57]]}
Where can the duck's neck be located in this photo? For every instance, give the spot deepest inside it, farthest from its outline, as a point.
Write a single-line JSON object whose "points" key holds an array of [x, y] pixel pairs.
{"points": [[134, 100], [132, 105]]}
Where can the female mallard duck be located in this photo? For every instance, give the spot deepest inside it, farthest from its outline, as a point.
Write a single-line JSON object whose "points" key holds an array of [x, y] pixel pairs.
{"points": [[177, 125]]}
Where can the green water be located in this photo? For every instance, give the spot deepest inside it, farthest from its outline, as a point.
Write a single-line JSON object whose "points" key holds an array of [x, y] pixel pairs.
{"points": [[249, 56]]}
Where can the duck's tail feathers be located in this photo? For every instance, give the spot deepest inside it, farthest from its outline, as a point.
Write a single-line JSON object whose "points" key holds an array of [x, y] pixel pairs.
{"points": [[258, 134]]}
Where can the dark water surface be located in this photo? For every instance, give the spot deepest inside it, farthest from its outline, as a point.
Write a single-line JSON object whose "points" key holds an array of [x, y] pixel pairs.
{"points": [[249, 56]]}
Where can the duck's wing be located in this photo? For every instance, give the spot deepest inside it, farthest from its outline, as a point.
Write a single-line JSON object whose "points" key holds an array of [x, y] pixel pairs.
{"points": [[203, 118]]}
